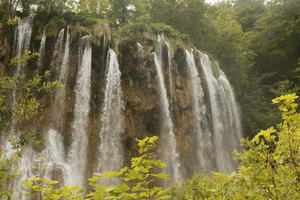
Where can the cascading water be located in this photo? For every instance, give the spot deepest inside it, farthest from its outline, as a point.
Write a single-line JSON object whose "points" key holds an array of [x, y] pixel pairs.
{"points": [[78, 151], [231, 105], [204, 144], [226, 125], [169, 154], [111, 148], [42, 51]]}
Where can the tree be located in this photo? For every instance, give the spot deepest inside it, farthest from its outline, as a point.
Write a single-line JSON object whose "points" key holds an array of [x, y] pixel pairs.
{"points": [[119, 13], [248, 12]]}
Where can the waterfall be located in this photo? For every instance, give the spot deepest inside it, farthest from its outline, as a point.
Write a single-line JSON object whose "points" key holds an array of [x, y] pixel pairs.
{"points": [[206, 125], [22, 43], [60, 95], [168, 140], [170, 58], [59, 42], [25, 170], [78, 153], [204, 144], [42, 51], [141, 53], [111, 148], [55, 165], [23, 38], [226, 124], [58, 49], [233, 112], [55, 149]]}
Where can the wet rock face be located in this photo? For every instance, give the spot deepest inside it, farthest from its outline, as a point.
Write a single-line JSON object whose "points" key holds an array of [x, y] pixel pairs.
{"points": [[141, 95]]}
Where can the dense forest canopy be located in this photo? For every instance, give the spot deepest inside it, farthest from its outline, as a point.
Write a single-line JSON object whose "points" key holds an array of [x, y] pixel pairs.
{"points": [[255, 41]]}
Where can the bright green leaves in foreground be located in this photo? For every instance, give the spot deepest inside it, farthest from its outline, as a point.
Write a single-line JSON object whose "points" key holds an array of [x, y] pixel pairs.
{"points": [[7, 174], [43, 189], [269, 169]]}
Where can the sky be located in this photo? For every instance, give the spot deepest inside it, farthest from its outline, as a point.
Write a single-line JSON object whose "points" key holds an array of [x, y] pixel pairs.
{"points": [[212, 1]]}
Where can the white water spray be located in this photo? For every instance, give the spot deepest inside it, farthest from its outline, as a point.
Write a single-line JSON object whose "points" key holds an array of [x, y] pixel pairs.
{"points": [[78, 151], [111, 148], [42, 51], [203, 135], [23, 38], [226, 124], [168, 140]]}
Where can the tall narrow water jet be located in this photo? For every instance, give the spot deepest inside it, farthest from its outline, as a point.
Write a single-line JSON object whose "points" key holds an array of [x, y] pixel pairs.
{"points": [[78, 151], [58, 50], [23, 38], [226, 124], [111, 148], [42, 51], [170, 58], [22, 42], [60, 95], [59, 42], [56, 152], [141, 53], [168, 140], [204, 148]]}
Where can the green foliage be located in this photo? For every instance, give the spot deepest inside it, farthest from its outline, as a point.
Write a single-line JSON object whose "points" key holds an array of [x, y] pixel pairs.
{"points": [[7, 173], [23, 59], [269, 166], [25, 105], [136, 31], [43, 189]]}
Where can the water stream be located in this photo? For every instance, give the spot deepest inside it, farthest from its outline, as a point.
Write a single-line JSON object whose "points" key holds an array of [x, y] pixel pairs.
{"points": [[78, 151], [111, 147]]}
